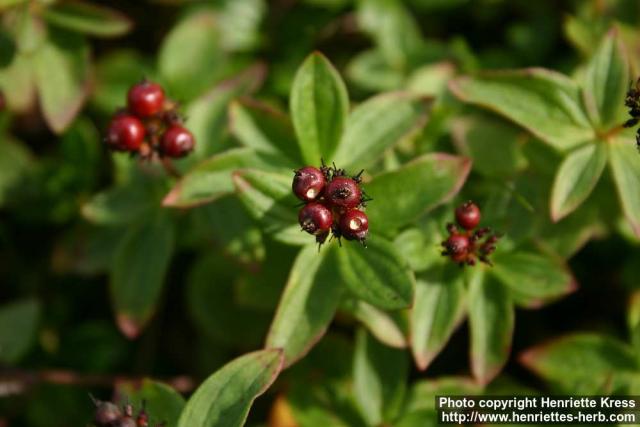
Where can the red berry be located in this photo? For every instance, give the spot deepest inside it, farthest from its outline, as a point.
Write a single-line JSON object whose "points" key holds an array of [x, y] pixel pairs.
{"points": [[457, 246], [468, 215], [354, 225], [343, 192], [146, 99], [106, 414], [315, 218], [125, 133], [177, 141], [308, 183]]}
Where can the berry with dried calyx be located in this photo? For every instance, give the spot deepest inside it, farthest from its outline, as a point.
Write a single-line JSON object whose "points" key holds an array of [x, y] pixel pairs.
{"points": [[457, 247], [343, 192], [125, 133], [468, 215], [308, 183], [145, 99], [177, 142], [315, 218], [354, 225]]}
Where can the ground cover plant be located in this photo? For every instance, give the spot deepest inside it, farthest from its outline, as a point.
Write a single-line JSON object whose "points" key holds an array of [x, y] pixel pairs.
{"points": [[314, 212]]}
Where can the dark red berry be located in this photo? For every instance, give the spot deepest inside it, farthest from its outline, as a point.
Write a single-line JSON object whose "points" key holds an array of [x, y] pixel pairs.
{"points": [[457, 246], [354, 225], [146, 99], [106, 414], [125, 133], [177, 142], [468, 215], [315, 218], [308, 183], [343, 192]]}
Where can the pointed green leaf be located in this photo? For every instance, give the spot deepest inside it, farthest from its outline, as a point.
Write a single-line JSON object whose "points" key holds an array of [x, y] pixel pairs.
{"points": [[17, 82], [122, 204], [533, 278], [319, 105], [439, 309], [87, 18], [388, 327], [377, 125], [577, 176], [370, 71], [138, 271], [377, 273], [18, 327], [159, 399], [268, 198], [62, 77], [264, 129], [625, 164], [207, 115], [546, 103], [579, 358], [225, 398], [191, 59], [491, 320], [380, 377], [212, 179], [606, 81], [308, 303], [433, 179]]}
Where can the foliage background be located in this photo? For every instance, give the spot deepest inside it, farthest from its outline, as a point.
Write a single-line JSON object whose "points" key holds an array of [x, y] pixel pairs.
{"points": [[87, 250]]}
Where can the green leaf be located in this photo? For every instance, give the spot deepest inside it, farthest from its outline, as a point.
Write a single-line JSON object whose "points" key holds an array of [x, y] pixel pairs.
{"points": [[439, 309], [533, 278], [17, 82], [207, 115], [191, 58], [388, 327], [494, 145], [87, 18], [265, 129], [546, 103], [394, 30], [122, 204], [440, 177], [625, 164], [225, 398], [15, 161], [268, 198], [576, 178], [138, 271], [580, 358], [606, 81], [433, 178], [5, 4], [18, 327], [380, 377], [61, 68], [240, 24], [377, 125], [308, 303], [491, 320], [160, 400], [319, 105], [211, 179], [377, 273], [370, 71]]}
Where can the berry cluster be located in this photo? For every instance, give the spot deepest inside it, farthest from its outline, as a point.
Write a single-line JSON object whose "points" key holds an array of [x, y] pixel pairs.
{"points": [[333, 203], [149, 125], [111, 415], [464, 247]]}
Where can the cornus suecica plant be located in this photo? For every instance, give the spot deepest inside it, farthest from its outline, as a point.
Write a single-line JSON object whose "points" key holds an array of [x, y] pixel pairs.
{"points": [[333, 203], [150, 126], [466, 246]]}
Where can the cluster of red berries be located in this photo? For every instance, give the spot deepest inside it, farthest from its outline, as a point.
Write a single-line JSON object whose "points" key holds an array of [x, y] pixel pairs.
{"points": [[111, 415], [149, 125], [333, 203], [467, 246]]}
